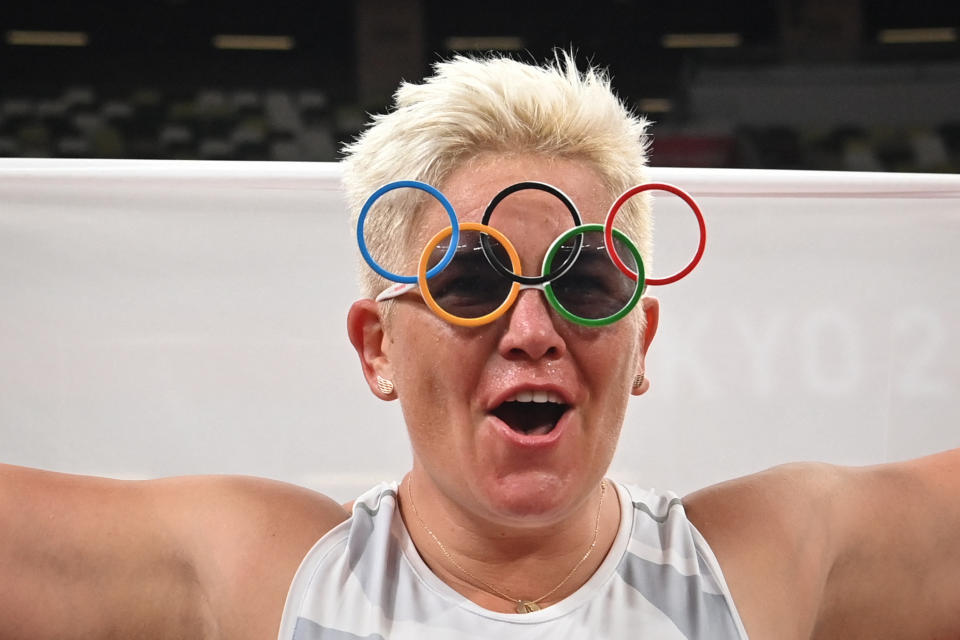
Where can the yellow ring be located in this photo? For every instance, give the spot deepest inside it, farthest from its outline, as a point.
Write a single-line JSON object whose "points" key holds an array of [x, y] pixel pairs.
{"points": [[425, 290]]}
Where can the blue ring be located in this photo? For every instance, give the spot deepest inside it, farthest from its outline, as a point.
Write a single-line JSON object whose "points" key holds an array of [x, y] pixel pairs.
{"points": [[414, 184]]}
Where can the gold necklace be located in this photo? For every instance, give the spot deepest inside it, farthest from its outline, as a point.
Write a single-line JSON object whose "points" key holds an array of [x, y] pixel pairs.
{"points": [[523, 606]]}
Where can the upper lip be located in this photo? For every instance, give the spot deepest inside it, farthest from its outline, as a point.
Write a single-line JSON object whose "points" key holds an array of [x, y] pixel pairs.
{"points": [[508, 393]]}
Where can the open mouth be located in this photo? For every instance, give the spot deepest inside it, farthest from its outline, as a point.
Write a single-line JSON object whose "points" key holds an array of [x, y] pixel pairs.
{"points": [[533, 413]]}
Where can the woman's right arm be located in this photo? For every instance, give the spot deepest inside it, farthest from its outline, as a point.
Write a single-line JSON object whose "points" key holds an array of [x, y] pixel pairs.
{"points": [[202, 557], [84, 557]]}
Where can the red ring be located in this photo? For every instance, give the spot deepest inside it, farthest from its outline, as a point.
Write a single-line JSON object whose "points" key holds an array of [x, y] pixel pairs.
{"points": [[658, 186]]}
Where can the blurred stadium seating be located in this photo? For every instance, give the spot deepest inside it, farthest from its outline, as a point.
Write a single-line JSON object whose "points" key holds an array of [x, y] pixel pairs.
{"points": [[215, 124], [211, 124]]}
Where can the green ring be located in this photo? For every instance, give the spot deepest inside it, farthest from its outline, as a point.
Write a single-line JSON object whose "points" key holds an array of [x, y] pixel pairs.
{"points": [[594, 322]]}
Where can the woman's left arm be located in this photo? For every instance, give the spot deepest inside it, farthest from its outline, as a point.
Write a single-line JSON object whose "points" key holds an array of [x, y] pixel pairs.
{"points": [[896, 553], [821, 551]]}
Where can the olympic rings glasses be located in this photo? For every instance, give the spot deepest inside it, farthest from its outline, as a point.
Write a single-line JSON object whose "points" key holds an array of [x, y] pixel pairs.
{"points": [[592, 274]]}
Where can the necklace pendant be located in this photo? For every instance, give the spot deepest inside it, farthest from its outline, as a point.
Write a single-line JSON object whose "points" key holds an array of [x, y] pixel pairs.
{"points": [[526, 606]]}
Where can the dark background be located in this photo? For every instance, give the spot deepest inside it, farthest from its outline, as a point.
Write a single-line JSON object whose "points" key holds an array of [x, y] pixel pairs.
{"points": [[812, 84]]}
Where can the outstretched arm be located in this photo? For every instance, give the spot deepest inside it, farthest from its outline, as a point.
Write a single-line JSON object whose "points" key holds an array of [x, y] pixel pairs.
{"points": [[819, 551], [202, 557], [896, 572]]}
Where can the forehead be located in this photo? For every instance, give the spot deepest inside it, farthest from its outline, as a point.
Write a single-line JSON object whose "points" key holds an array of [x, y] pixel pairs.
{"points": [[472, 186]]}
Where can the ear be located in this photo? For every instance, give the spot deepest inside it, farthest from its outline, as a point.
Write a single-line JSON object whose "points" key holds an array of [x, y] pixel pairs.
{"points": [[365, 328], [651, 312]]}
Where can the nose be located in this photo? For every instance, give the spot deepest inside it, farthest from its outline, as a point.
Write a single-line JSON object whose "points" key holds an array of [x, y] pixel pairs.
{"points": [[531, 332]]}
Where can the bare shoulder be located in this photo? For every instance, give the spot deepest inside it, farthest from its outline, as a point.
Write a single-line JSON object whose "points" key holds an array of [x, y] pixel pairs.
{"points": [[897, 553], [771, 534], [196, 557], [246, 538], [821, 551]]}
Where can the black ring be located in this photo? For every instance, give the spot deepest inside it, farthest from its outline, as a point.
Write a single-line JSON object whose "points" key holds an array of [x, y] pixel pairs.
{"points": [[495, 261]]}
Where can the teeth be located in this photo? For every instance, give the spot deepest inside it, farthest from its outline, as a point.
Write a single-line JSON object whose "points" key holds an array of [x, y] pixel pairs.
{"points": [[536, 396]]}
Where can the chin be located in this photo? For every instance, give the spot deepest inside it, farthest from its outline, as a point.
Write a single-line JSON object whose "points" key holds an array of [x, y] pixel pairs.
{"points": [[532, 494]]}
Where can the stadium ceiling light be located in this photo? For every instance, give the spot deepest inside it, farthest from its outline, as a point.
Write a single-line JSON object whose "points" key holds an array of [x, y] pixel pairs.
{"points": [[484, 43], [701, 40], [655, 105], [257, 43], [47, 38], [917, 36]]}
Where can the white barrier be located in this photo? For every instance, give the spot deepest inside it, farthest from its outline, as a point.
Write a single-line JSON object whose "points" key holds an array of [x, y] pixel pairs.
{"points": [[163, 318]]}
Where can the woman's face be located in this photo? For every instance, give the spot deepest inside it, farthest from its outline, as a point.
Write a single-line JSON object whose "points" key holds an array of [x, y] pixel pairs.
{"points": [[477, 437]]}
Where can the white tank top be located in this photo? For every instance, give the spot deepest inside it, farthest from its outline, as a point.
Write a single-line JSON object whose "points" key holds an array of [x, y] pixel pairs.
{"points": [[364, 580]]}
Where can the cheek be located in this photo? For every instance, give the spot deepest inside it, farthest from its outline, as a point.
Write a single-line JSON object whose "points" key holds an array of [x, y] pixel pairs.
{"points": [[438, 376], [434, 371], [613, 352], [421, 390], [416, 359], [609, 364]]}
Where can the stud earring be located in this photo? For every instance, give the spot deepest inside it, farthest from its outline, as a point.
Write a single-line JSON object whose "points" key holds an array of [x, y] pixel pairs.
{"points": [[638, 380], [384, 386]]}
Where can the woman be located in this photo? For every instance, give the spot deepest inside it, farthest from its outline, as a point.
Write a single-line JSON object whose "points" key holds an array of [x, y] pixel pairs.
{"points": [[512, 510], [506, 524]]}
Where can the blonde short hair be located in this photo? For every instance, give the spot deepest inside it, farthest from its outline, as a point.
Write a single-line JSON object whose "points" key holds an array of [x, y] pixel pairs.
{"points": [[471, 106]]}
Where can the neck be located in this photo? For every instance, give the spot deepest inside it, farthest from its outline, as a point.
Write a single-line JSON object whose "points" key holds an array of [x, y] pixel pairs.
{"points": [[496, 563]]}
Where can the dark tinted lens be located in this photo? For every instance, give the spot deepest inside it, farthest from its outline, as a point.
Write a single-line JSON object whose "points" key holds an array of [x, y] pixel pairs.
{"points": [[594, 287], [469, 287]]}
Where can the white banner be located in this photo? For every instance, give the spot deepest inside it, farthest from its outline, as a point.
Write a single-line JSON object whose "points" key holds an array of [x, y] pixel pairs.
{"points": [[162, 318]]}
